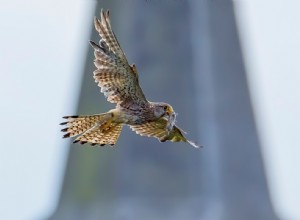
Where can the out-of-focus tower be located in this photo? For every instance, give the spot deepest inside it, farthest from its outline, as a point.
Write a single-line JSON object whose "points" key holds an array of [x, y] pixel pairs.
{"points": [[227, 121], [188, 54]]}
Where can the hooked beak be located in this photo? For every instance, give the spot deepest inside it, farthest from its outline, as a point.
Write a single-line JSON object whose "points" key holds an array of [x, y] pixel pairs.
{"points": [[170, 111]]}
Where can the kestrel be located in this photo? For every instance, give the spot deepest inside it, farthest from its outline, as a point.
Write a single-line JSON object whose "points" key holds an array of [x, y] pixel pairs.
{"points": [[119, 82]]}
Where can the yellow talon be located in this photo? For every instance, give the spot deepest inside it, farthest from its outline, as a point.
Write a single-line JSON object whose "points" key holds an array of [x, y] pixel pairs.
{"points": [[106, 125]]}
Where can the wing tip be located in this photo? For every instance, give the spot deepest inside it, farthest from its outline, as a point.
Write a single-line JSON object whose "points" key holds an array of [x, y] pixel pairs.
{"points": [[105, 13], [94, 45], [194, 144]]}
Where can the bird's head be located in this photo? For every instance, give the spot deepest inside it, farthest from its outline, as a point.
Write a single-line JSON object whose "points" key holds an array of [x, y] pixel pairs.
{"points": [[163, 109]]}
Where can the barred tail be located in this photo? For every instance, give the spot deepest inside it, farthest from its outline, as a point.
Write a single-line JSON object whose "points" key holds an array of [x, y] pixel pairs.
{"points": [[94, 129]]}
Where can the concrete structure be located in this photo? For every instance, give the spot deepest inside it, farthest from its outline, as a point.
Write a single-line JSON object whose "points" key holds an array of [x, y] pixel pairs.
{"points": [[188, 54]]}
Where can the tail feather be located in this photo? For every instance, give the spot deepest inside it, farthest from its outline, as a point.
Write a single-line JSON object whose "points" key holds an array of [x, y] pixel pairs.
{"points": [[76, 125], [101, 135], [93, 129]]}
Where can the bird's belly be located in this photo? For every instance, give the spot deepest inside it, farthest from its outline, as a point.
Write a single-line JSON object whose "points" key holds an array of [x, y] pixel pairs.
{"points": [[137, 119], [132, 117]]}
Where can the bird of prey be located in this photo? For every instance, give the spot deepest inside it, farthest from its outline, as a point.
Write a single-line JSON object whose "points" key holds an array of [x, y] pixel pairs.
{"points": [[119, 82]]}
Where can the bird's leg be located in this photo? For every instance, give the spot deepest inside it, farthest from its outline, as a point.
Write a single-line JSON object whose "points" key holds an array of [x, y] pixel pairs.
{"points": [[106, 125]]}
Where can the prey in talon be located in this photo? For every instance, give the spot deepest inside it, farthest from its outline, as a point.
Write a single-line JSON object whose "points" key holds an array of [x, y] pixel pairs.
{"points": [[119, 82], [171, 121]]}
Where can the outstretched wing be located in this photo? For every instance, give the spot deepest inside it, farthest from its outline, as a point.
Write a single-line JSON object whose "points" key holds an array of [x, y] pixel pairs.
{"points": [[118, 80], [159, 130]]}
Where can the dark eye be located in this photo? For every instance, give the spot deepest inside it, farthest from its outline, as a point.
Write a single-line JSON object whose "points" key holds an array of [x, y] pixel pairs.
{"points": [[165, 108]]}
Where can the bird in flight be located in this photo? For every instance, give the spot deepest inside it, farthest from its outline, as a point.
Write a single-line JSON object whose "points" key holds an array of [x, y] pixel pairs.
{"points": [[119, 82]]}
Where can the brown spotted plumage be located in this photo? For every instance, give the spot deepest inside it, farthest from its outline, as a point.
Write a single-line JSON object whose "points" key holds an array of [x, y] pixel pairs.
{"points": [[120, 84], [158, 129], [98, 135]]}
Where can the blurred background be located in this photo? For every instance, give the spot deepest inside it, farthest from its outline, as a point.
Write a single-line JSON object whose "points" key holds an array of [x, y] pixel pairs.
{"points": [[229, 68]]}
